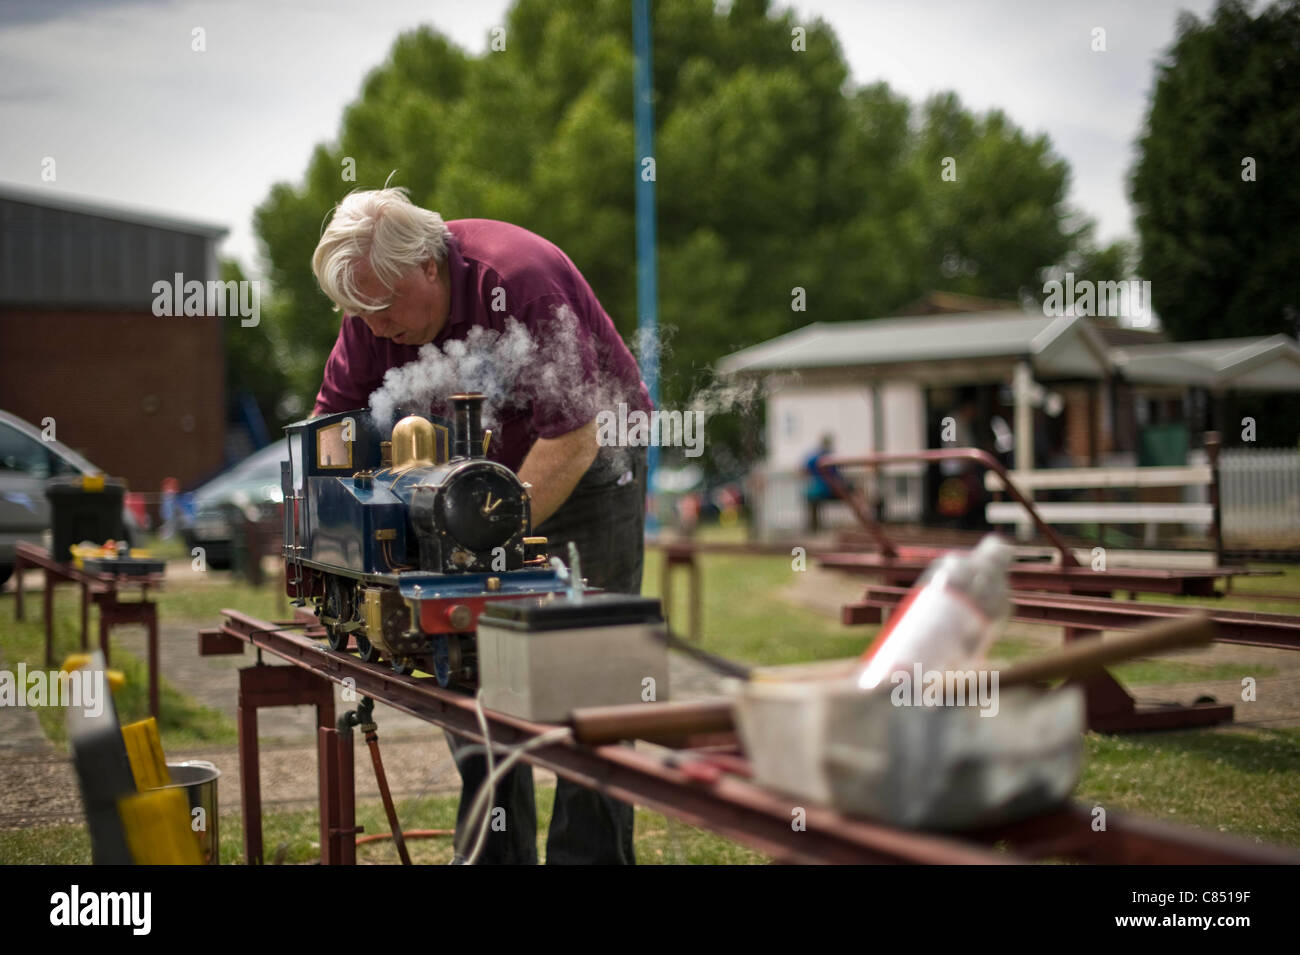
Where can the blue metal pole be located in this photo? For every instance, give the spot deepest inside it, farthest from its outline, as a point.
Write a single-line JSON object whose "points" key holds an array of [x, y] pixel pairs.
{"points": [[647, 285]]}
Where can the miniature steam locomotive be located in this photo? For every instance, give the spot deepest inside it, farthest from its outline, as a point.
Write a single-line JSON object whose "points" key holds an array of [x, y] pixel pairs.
{"points": [[399, 544]]}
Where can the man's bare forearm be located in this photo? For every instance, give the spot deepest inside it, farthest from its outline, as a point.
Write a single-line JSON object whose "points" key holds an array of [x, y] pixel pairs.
{"points": [[555, 465]]}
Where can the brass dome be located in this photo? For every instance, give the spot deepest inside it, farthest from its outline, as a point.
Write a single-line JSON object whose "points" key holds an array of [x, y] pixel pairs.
{"points": [[413, 443]]}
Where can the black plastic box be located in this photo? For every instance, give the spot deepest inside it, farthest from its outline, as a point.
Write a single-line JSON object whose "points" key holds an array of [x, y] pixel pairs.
{"points": [[123, 566], [78, 513], [562, 613]]}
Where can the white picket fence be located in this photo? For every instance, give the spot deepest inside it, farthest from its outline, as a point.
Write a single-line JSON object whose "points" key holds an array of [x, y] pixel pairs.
{"points": [[1259, 495]]}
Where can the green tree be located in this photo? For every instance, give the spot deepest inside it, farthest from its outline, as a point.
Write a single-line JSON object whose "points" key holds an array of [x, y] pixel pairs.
{"points": [[252, 368], [773, 173], [994, 201], [1215, 184]]}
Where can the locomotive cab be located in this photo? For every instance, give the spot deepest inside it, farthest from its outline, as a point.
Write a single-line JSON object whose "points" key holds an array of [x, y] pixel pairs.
{"points": [[335, 446]]}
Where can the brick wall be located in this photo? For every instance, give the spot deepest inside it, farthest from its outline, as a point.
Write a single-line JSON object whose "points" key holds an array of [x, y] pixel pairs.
{"points": [[142, 397]]}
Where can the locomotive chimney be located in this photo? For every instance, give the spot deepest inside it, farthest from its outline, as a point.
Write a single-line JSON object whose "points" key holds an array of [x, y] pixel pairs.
{"points": [[467, 425]]}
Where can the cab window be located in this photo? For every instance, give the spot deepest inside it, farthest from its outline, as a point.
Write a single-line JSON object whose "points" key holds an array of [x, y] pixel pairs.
{"points": [[332, 450], [296, 462]]}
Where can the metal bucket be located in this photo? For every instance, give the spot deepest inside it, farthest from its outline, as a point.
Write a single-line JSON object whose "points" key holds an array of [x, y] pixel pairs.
{"points": [[199, 780], [944, 767], [948, 767]]}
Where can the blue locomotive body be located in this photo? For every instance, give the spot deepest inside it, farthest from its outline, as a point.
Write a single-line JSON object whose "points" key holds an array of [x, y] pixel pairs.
{"points": [[400, 543], [347, 522]]}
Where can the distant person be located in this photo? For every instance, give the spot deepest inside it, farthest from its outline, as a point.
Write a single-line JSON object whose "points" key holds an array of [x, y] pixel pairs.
{"points": [[168, 509], [688, 512], [731, 504], [961, 493], [819, 491]]}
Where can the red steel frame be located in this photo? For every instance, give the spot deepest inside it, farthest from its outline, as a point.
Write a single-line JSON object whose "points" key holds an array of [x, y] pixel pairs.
{"points": [[826, 464], [693, 786], [912, 562], [1110, 707], [102, 589], [1278, 630]]}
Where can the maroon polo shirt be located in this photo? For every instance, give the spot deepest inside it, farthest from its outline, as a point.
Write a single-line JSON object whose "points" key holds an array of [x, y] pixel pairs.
{"points": [[537, 280]]}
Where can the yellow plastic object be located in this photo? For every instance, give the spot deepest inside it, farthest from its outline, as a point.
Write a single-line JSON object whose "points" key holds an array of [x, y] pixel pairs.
{"points": [[86, 550], [157, 827], [75, 661], [144, 750], [92, 482]]}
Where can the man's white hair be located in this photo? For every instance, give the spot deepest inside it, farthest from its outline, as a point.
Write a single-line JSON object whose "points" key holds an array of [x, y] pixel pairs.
{"points": [[384, 228]]}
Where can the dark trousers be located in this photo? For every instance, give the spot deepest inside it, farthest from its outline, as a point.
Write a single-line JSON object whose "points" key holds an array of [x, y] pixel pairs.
{"points": [[815, 513], [605, 518]]}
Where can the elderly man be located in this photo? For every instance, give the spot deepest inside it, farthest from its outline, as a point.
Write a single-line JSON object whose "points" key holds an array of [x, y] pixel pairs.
{"points": [[404, 279]]}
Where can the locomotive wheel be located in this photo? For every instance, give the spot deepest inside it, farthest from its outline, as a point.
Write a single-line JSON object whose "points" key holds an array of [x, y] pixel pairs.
{"points": [[366, 648], [442, 661], [338, 606]]}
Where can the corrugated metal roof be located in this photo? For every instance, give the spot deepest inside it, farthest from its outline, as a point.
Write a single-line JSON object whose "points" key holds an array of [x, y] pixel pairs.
{"points": [[1270, 362], [66, 253], [1063, 347], [54, 199], [887, 341]]}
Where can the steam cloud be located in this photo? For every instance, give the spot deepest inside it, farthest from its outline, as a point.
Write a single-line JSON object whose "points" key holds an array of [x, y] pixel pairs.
{"points": [[511, 368], [722, 395]]}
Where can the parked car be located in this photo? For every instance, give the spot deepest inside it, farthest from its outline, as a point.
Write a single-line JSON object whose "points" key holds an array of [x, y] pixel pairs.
{"points": [[27, 461], [249, 489]]}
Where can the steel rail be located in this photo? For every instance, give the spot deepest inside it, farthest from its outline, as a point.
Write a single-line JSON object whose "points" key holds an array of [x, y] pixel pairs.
{"points": [[731, 807], [1246, 627], [1038, 576], [751, 814]]}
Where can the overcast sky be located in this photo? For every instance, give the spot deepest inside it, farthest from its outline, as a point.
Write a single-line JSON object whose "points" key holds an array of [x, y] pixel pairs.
{"points": [[131, 115]]}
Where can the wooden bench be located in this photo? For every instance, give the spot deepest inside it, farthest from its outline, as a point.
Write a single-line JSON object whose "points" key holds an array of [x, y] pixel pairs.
{"points": [[1103, 513]]}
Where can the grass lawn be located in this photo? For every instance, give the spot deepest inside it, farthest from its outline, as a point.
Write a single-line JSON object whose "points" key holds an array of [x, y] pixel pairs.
{"points": [[1287, 582], [294, 838], [746, 618], [1243, 782], [1239, 780], [184, 721]]}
